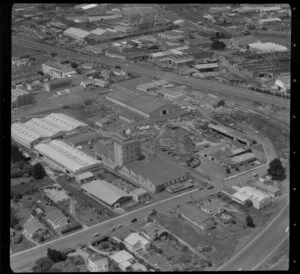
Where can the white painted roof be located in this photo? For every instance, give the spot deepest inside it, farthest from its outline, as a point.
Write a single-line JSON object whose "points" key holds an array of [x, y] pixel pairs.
{"points": [[104, 191], [121, 256], [241, 197], [43, 127], [21, 132], [67, 156], [85, 175], [98, 31], [78, 32], [134, 238], [252, 193], [267, 47], [209, 65], [86, 7], [64, 121]]}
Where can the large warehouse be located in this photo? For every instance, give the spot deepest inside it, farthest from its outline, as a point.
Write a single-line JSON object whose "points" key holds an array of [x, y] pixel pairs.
{"points": [[75, 33], [52, 126], [144, 105], [106, 193], [67, 158]]}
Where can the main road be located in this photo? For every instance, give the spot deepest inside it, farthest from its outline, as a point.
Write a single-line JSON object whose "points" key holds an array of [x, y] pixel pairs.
{"points": [[200, 84], [259, 248]]}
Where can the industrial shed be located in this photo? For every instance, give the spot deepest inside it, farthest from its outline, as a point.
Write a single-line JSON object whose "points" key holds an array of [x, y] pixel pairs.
{"points": [[24, 136], [71, 160], [145, 105], [52, 126], [106, 193], [75, 33]]}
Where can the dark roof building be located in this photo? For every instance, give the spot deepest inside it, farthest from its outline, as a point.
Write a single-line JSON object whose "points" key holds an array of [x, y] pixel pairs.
{"points": [[145, 105]]}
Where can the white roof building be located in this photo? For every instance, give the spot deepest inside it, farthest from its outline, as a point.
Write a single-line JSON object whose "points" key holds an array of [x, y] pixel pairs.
{"points": [[64, 121], [90, 6], [135, 242], [269, 9], [23, 135], [268, 20], [123, 258], [67, 157], [105, 192], [267, 47], [76, 33], [51, 126]]}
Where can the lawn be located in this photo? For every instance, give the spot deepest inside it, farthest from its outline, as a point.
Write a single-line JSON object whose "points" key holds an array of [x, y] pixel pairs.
{"points": [[23, 245]]}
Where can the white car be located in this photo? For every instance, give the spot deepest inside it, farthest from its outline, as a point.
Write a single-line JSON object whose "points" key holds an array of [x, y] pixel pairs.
{"points": [[287, 229]]}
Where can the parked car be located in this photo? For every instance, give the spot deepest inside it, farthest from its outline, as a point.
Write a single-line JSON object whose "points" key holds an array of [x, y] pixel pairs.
{"points": [[96, 234], [209, 186], [152, 212], [134, 220]]}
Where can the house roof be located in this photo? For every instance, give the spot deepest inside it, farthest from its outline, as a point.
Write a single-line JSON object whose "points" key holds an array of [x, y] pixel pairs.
{"points": [[152, 228], [104, 191], [32, 225], [134, 238], [121, 257], [54, 215]]}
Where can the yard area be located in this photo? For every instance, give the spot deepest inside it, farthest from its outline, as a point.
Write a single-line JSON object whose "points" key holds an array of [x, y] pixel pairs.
{"points": [[23, 245], [88, 210]]}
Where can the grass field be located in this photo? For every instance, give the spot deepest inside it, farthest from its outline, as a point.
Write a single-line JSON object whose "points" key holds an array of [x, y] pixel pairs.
{"points": [[278, 260], [17, 51]]}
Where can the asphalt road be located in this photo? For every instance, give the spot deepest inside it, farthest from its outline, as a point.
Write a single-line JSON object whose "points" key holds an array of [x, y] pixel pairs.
{"points": [[200, 84], [23, 260], [261, 246]]}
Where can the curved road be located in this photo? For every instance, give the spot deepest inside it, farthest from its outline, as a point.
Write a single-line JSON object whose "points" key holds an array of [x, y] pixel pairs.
{"points": [[203, 85]]}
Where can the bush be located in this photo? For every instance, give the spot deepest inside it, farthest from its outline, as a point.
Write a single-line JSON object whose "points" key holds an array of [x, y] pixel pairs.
{"points": [[18, 239], [249, 221], [276, 170], [71, 227], [56, 255], [16, 155], [13, 220], [218, 45], [42, 265], [38, 172]]}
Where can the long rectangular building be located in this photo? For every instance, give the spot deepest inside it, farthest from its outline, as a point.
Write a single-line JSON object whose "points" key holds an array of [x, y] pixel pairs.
{"points": [[52, 126], [66, 157]]}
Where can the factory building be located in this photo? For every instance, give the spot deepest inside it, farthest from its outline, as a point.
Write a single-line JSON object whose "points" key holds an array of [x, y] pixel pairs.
{"points": [[241, 159], [106, 193], [67, 158], [58, 84], [20, 98], [171, 36], [144, 105], [178, 61], [52, 126], [57, 70], [152, 174], [267, 47], [231, 133], [209, 69], [259, 198], [261, 67], [75, 33]]}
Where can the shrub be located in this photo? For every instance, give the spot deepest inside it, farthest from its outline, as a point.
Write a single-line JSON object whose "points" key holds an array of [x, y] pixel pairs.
{"points": [[42, 265], [38, 172], [56, 255], [18, 238], [249, 221], [276, 170]]}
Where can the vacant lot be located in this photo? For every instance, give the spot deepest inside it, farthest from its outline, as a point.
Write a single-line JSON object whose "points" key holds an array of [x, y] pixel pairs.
{"points": [[23, 245], [279, 138], [17, 51], [278, 260]]}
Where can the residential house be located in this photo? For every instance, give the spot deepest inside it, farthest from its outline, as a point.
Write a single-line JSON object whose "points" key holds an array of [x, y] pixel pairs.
{"points": [[56, 218], [124, 259], [134, 242], [97, 263], [152, 231], [33, 228]]}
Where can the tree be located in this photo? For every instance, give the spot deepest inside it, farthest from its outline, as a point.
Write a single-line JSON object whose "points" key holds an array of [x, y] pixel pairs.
{"points": [[218, 45], [276, 170], [18, 239], [53, 54], [42, 265], [248, 204], [16, 155], [74, 65], [249, 221], [38, 172], [56, 255], [221, 103]]}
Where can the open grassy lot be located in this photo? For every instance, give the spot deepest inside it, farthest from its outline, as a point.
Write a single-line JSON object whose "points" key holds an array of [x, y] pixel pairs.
{"points": [[279, 260], [17, 51], [23, 245]]}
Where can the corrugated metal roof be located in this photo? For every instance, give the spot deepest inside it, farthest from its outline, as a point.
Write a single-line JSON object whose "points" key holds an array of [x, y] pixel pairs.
{"points": [[104, 191], [67, 156], [19, 131], [243, 157], [64, 121], [156, 170], [77, 32]]}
